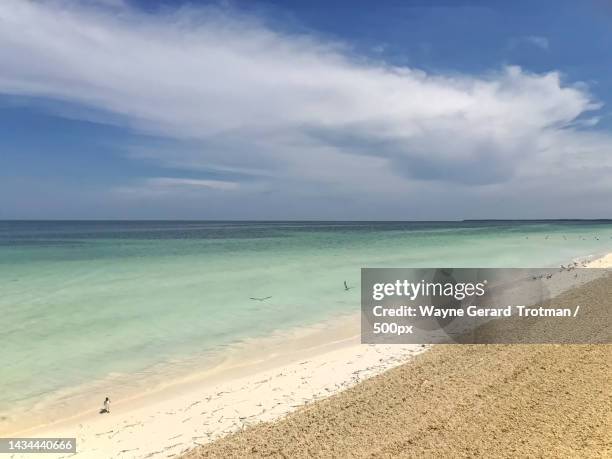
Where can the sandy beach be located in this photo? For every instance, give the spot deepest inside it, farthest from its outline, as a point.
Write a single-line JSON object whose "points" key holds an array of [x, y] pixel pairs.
{"points": [[454, 401], [250, 392], [602, 262], [459, 401], [312, 364]]}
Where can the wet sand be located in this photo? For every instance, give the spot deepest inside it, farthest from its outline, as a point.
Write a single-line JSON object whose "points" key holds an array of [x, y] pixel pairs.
{"points": [[460, 401]]}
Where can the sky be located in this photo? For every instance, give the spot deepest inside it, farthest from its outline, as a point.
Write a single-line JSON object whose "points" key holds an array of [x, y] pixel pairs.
{"points": [[334, 110]]}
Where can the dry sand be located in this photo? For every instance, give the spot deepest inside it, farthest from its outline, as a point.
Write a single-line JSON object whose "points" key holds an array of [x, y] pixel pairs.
{"points": [[459, 401], [603, 262]]}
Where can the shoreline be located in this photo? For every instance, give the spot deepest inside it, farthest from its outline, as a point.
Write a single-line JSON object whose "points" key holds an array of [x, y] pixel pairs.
{"points": [[274, 382], [260, 380], [233, 360]]}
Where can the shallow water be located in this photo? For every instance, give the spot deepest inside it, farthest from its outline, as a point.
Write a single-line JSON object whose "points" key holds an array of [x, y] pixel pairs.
{"points": [[85, 300]]}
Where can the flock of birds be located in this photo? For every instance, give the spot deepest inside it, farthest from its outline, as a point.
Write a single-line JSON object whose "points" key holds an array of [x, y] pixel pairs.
{"points": [[569, 267], [582, 238]]}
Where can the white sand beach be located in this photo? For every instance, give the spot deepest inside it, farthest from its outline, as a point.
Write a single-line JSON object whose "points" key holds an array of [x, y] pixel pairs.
{"points": [[174, 419], [602, 262]]}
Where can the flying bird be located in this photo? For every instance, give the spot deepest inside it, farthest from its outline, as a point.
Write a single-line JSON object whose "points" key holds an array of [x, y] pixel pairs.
{"points": [[260, 299]]}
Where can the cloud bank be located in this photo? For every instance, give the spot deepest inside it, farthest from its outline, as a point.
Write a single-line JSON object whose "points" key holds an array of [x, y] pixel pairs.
{"points": [[296, 120]]}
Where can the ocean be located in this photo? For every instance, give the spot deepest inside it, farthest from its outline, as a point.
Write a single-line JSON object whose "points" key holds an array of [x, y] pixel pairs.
{"points": [[87, 304]]}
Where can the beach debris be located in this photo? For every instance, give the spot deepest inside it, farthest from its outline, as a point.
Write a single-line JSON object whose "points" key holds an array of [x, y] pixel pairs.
{"points": [[192, 405]]}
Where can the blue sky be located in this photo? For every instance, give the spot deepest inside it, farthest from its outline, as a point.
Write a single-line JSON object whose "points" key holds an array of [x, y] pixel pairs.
{"points": [[305, 110]]}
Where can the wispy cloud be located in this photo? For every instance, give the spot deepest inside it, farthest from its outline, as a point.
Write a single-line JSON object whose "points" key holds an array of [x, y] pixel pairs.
{"points": [[535, 40], [156, 186], [307, 111], [542, 43]]}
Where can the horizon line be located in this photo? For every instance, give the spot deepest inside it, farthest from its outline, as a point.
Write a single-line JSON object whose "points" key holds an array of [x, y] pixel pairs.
{"points": [[305, 220]]}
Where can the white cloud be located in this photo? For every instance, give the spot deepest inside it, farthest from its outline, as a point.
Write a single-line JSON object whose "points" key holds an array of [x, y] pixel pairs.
{"points": [[158, 186], [172, 182], [295, 111]]}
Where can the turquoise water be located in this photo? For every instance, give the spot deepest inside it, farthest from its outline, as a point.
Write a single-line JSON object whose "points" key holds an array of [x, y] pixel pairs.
{"points": [[84, 300]]}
